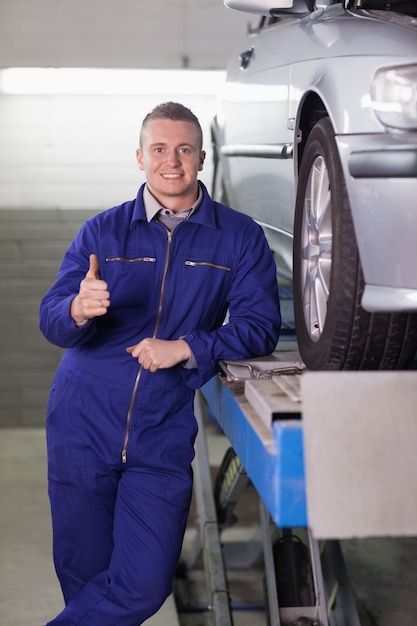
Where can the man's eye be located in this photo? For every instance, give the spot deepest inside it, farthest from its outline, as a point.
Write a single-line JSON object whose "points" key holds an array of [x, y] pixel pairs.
{"points": [[184, 150], [159, 150]]}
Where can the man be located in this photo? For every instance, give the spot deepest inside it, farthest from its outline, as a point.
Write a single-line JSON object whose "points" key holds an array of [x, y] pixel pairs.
{"points": [[139, 303]]}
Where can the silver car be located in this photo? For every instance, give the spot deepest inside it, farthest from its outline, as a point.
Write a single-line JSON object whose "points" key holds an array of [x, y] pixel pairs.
{"points": [[315, 136]]}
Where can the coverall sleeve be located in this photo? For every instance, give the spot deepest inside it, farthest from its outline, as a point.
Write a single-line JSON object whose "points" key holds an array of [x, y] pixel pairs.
{"points": [[254, 320], [55, 319]]}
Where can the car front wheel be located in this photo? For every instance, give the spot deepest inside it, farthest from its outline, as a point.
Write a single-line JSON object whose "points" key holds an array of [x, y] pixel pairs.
{"points": [[333, 331]]}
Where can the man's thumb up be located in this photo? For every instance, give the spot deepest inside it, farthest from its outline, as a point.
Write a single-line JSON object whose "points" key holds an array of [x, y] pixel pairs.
{"points": [[94, 268], [93, 298]]}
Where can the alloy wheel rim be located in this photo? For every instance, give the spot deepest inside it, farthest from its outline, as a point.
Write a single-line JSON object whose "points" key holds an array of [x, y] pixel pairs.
{"points": [[316, 248]]}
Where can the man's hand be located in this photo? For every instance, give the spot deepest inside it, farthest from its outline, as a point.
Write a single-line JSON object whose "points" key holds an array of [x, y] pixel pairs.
{"points": [[93, 299], [155, 354]]}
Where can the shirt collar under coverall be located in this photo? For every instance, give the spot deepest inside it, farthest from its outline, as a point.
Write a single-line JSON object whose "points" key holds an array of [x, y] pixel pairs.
{"points": [[170, 219]]}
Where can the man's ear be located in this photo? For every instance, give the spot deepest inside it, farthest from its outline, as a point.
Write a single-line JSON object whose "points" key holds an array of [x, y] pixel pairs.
{"points": [[201, 160], [139, 158]]}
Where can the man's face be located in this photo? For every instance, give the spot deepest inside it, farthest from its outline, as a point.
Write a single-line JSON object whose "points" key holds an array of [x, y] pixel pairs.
{"points": [[171, 158]]}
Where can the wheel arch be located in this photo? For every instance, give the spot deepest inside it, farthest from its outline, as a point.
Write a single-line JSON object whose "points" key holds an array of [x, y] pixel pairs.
{"points": [[311, 110]]}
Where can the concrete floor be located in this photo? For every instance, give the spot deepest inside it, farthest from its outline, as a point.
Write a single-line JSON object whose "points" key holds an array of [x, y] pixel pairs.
{"points": [[29, 591], [383, 572]]}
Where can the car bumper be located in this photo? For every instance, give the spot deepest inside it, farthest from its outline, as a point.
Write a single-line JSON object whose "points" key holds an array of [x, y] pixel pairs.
{"points": [[388, 299], [381, 179]]}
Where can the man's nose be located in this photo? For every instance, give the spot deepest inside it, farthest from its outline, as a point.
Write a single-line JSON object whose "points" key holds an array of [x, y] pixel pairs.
{"points": [[173, 157]]}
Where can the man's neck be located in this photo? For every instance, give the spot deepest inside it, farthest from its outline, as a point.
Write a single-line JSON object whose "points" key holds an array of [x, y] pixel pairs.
{"points": [[176, 203]]}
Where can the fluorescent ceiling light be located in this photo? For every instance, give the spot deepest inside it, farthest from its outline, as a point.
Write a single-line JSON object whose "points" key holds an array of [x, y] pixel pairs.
{"points": [[89, 81]]}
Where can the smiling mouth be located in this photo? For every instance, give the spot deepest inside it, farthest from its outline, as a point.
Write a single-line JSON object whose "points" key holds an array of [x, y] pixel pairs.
{"points": [[171, 176]]}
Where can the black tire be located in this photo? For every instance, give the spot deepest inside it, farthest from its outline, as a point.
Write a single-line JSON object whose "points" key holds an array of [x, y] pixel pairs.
{"points": [[333, 331]]}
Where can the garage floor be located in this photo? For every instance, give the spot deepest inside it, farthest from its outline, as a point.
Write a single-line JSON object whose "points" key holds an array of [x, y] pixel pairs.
{"points": [[383, 572]]}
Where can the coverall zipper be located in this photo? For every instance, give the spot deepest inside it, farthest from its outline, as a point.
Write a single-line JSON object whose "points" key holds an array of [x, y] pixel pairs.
{"points": [[147, 259], [158, 319], [198, 263]]}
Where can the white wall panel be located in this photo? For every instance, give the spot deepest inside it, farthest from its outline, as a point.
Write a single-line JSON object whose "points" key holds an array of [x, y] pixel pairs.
{"points": [[78, 151]]}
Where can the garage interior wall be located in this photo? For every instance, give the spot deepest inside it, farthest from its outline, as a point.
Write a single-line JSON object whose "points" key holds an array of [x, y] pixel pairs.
{"points": [[118, 33], [66, 157]]}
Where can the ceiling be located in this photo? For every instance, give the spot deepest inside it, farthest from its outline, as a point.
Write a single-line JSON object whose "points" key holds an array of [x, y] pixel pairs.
{"points": [[198, 34]]}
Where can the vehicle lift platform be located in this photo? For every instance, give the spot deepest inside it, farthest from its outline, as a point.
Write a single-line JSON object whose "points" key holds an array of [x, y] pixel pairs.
{"points": [[331, 456]]}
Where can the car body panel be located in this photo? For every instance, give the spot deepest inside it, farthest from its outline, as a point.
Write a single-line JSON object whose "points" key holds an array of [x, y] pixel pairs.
{"points": [[328, 57]]}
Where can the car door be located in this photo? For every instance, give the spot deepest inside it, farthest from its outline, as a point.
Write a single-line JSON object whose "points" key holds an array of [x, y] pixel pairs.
{"points": [[257, 136]]}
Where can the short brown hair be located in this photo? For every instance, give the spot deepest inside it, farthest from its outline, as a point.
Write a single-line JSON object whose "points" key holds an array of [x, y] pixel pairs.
{"points": [[172, 111]]}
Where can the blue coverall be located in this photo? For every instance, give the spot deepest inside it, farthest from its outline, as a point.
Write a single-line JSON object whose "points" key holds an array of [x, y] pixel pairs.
{"points": [[119, 438]]}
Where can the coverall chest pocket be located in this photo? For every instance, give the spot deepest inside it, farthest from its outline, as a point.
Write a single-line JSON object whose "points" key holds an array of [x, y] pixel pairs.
{"points": [[130, 276], [207, 277]]}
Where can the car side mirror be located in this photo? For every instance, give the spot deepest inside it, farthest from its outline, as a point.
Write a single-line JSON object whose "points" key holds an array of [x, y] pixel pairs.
{"points": [[274, 8], [260, 7]]}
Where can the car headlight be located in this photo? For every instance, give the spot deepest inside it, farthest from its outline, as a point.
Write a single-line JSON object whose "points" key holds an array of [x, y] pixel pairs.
{"points": [[394, 96]]}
